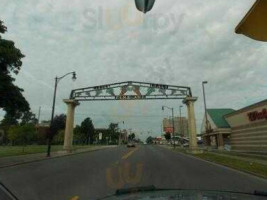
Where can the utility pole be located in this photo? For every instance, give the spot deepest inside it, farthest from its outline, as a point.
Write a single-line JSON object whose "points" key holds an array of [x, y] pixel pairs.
{"points": [[205, 105], [39, 113], [181, 122]]}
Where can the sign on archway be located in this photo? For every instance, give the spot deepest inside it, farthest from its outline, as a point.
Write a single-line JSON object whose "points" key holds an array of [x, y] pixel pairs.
{"points": [[130, 90]]}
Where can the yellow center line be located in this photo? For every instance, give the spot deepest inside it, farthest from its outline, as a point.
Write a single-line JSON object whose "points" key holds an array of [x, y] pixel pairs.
{"points": [[75, 198], [129, 154]]}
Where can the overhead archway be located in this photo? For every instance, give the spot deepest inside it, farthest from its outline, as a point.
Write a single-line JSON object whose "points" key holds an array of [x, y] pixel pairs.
{"points": [[130, 90]]}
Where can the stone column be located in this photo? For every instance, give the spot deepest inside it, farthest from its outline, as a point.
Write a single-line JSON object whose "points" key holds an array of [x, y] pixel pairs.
{"points": [[68, 137], [220, 141], [189, 101]]}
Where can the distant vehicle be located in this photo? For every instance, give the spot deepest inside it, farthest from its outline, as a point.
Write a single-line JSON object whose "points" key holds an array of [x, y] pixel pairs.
{"points": [[130, 144]]}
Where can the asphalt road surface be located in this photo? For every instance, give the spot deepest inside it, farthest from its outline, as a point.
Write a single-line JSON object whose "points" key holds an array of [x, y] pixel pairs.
{"points": [[97, 174]]}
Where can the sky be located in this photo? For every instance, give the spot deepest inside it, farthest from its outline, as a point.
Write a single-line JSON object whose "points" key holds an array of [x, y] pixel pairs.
{"points": [[179, 42]]}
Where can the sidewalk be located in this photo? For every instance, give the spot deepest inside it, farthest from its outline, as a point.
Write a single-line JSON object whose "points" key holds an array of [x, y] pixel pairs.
{"points": [[17, 160]]}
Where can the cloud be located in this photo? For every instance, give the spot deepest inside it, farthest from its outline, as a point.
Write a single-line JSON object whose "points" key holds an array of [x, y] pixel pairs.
{"points": [[178, 42]]}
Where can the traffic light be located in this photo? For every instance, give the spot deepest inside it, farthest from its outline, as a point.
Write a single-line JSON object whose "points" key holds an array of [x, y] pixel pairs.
{"points": [[144, 5]]}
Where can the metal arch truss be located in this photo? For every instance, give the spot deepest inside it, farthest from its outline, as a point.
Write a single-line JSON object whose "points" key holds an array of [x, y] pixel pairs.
{"points": [[130, 90]]}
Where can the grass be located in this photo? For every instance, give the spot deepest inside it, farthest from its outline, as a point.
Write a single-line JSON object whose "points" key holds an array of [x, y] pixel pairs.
{"points": [[242, 165], [251, 167], [6, 151]]}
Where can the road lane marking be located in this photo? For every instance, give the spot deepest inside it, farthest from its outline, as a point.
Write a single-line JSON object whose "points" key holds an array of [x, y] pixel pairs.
{"points": [[117, 177], [75, 198], [129, 154]]}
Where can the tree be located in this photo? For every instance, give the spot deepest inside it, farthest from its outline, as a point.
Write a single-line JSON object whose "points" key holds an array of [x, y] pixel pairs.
{"points": [[59, 138], [113, 132], [28, 117], [22, 134], [167, 136], [78, 136], [149, 140], [57, 124], [131, 136], [87, 130], [11, 98]]}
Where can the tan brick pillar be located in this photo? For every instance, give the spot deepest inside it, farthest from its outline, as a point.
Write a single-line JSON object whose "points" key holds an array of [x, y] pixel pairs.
{"points": [[189, 101], [68, 137]]}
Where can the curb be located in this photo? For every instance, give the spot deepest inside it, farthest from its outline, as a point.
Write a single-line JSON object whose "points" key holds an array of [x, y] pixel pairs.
{"points": [[50, 158]]}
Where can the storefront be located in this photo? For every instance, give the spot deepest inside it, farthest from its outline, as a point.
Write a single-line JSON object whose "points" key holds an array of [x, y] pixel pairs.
{"points": [[249, 128], [216, 131]]}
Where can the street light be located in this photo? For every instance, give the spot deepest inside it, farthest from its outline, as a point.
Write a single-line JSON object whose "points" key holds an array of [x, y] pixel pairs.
{"points": [[172, 121], [57, 79], [144, 5], [205, 106], [181, 124]]}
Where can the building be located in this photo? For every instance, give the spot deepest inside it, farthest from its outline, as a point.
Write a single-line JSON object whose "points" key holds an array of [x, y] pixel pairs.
{"points": [[180, 126], [216, 131], [249, 128]]}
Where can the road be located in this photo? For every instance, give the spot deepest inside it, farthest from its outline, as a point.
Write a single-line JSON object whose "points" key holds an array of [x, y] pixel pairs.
{"points": [[97, 174]]}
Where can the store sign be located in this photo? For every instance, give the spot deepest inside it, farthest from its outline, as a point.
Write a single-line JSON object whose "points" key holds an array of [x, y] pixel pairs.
{"points": [[159, 86], [254, 116], [129, 97], [102, 87]]}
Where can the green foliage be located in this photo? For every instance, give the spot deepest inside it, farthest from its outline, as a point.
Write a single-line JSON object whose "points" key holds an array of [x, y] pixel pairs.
{"points": [[113, 132], [57, 124], [242, 165], [78, 136], [11, 98], [59, 138], [3, 28], [149, 140], [28, 117], [87, 130], [131, 136], [167, 136], [22, 134]]}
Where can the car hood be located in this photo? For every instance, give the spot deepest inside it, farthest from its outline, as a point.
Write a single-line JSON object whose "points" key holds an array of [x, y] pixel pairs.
{"points": [[150, 193]]}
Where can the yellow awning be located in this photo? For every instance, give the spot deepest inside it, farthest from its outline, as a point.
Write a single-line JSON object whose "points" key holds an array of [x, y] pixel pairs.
{"points": [[254, 24]]}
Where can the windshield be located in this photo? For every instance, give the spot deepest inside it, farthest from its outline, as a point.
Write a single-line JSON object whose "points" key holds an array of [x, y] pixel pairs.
{"points": [[98, 95]]}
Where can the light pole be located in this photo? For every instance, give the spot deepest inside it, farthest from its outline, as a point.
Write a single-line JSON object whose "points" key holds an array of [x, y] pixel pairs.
{"points": [[119, 142], [57, 79], [205, 106], [172, 122], [181, 124]]}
